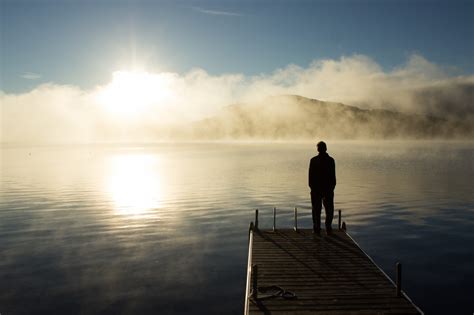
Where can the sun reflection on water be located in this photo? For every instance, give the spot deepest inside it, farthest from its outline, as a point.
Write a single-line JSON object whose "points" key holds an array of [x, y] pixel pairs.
{"points": [[134, 184]]}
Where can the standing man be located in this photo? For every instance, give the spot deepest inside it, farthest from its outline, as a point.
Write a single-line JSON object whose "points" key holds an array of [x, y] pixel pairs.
{"points": [[322, 181]]}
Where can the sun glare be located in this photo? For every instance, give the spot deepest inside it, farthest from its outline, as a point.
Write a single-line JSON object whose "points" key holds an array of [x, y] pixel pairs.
{"points": [[133, 184], [133, 92]]}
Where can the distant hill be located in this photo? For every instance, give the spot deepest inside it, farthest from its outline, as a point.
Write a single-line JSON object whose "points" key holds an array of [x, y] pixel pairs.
{"points": [[297, 117]]}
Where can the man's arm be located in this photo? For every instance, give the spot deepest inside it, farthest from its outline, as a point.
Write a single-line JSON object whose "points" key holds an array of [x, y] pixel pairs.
{"points": [[310, 174], [333, 174]]}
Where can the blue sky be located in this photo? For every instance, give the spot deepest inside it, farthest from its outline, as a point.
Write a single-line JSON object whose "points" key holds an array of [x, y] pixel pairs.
{"points": [[82, 42]]}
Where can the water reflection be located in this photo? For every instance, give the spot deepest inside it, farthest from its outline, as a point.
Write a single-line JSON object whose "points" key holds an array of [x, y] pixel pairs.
{"points": [[133, 184], [127, 230]]}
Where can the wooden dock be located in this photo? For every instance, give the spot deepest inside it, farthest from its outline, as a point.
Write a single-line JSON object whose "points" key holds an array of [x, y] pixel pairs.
{"points": [[326, 274]]}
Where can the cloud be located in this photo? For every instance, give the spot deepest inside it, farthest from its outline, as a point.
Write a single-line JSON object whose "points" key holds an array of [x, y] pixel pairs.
{"points": [[417, 86], [55, 112], [30, 76], [48, 113], [215, 12]]}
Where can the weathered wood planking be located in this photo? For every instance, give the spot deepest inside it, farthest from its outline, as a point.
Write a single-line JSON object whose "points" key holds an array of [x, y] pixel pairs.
{"points": [[328, 274]]}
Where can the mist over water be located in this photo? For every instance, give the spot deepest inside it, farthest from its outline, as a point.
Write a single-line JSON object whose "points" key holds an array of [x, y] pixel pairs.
{"points": [[163, 227], [147, 106]]}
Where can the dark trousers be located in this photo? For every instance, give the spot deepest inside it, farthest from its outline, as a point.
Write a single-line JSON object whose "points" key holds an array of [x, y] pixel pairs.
{"points": [[326, 198]]}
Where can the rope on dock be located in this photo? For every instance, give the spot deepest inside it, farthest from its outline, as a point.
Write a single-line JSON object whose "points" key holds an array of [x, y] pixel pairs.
{"points": [[273, 291]]}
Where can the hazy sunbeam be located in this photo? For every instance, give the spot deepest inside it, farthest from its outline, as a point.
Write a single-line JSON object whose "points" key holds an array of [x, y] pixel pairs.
{"points": [[132, 93]]}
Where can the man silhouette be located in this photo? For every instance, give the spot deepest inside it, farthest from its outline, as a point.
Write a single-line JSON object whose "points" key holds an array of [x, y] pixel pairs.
{"points": [[322, 181]]}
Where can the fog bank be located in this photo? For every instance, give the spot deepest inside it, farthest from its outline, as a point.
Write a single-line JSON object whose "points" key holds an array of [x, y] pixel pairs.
{"points": [[54, 112]]}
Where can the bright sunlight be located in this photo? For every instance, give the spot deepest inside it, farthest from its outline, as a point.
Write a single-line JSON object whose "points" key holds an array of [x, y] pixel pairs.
{"points": [[133, 92], [133, 186]]}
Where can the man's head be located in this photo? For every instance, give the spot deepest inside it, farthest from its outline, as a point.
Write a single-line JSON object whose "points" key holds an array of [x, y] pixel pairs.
{"points": [[321, 147]]}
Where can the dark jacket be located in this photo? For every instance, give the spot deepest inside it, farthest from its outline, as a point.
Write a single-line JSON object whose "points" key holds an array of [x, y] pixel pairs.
{"points": [[322, 173]]}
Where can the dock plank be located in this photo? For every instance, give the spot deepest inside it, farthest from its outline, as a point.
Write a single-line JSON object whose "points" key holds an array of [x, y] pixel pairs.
{"points": [[328, 274]]}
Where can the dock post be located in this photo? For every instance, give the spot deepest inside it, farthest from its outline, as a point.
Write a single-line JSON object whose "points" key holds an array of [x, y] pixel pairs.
{"points": [[274, 218], [344, 226], [399, 279], [339, 221], [254, 282], [256, 219], [296, 219]]}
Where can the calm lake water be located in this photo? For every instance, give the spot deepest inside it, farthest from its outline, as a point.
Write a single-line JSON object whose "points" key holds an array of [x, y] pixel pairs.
{"points": [[163, 228]]}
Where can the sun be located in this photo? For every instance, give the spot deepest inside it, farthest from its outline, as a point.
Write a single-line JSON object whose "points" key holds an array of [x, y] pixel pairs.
{"points": [[133, 92]]}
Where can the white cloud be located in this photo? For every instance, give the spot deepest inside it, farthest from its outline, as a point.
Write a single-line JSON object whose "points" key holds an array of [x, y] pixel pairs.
{"points": [[215, 12], [30, 76], [67, 113]]}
